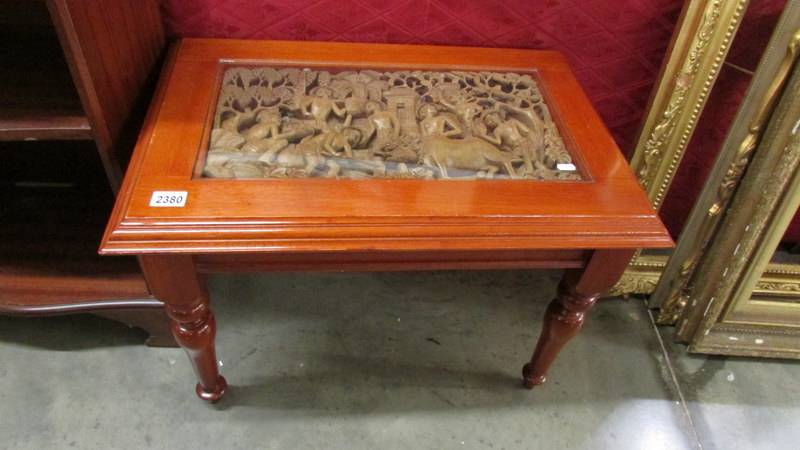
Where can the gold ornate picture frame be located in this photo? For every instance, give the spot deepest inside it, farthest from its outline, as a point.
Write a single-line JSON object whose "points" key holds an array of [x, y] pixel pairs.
{"points": [[671, 294], [699, 45], [738, 301], [719, 284]]}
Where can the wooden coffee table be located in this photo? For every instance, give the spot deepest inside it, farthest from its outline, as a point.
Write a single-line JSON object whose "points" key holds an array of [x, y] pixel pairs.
{"points": [[266, 156]]}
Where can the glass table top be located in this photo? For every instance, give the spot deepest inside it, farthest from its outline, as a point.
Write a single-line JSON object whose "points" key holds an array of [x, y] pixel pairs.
{"points": [[273, 122]]}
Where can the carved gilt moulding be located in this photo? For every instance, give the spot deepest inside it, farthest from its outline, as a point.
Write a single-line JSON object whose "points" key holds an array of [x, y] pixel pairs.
{"points": [[737, 305], [720, 286], [698, 48], [293, 122], [733, 160]]}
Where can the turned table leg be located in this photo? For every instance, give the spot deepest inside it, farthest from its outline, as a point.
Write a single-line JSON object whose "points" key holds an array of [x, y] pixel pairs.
{"points": [[577, 293], [174, 280]]}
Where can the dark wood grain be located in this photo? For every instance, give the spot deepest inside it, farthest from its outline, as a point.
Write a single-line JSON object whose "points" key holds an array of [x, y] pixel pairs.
{"points": [[23, 125], [112, 48], [381, 261], [146, 313], [50, 224], [38, 99]]}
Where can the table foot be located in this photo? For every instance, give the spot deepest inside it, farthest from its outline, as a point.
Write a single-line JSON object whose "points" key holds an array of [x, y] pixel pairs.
{"points": [[213, 395], [528, 380]]}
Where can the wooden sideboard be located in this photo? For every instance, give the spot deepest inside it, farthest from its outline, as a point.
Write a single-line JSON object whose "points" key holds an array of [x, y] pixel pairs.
{"points": [[254, 157], [76, 76]]}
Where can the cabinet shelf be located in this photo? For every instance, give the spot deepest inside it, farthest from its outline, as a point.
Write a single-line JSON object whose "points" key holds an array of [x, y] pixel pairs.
{"points": [[73, 83], [51, 221], [25, 125], [39, 100], [27, 286]]}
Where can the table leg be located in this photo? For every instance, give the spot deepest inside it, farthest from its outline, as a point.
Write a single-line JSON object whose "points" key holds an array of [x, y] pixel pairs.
{"points": [[174, 280], [577, 293]]}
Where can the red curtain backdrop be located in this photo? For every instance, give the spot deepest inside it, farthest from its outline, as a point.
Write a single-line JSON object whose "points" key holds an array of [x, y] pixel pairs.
{"points": [[615, 47]]}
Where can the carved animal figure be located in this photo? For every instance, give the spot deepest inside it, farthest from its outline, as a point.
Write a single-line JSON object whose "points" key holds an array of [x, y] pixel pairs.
{"points": [[468, 154]]}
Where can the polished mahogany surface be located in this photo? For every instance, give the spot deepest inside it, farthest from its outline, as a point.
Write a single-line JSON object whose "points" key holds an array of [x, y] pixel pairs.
{"points": [[606, 209]]}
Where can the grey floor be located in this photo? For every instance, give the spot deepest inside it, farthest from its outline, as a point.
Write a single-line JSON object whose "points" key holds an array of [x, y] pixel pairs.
{"points": [[388, 361]]}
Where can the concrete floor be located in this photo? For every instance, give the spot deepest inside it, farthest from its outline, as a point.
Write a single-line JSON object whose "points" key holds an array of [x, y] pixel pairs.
{"points": [[388, 361]]}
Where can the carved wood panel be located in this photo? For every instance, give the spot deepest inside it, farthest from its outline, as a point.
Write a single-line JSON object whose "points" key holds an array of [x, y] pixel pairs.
{"points": [[298, 123]]}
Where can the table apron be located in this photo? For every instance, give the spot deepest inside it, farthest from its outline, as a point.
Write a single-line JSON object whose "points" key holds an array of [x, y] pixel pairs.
{"points": [[392, 261]]}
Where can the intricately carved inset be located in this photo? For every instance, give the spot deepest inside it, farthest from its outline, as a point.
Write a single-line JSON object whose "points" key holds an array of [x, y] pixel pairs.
{"points": [[299, 123]]}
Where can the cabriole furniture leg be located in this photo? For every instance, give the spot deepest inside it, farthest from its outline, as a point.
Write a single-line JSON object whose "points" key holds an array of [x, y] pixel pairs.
{"points": [[174, 280], [577, 293]]}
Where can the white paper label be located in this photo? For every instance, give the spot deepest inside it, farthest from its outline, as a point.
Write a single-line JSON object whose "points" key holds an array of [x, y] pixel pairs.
{"points": [[567, 167], [169, 199]]}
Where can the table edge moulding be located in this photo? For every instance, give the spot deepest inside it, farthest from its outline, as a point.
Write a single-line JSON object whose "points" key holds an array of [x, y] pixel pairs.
{"points": [[591, 226]]}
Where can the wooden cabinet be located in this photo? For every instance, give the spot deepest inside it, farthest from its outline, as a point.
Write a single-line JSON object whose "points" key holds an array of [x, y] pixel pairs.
{"points": [[75, 77]]}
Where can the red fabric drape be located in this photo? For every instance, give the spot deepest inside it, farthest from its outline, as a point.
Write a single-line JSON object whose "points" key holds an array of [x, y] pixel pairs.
{"points": [[615, 47]]}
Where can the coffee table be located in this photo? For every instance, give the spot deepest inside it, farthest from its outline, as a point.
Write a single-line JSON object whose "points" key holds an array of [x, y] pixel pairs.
{"points": [[266, 156]]}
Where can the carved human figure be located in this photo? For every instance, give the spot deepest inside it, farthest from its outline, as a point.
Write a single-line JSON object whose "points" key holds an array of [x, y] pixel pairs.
{"points": [[320, 106], [385, 123], [339, 142], [227, 135], [343, 141], [433, 124], [268, 123], [308, 154], [510, 133], [265, 136]]}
